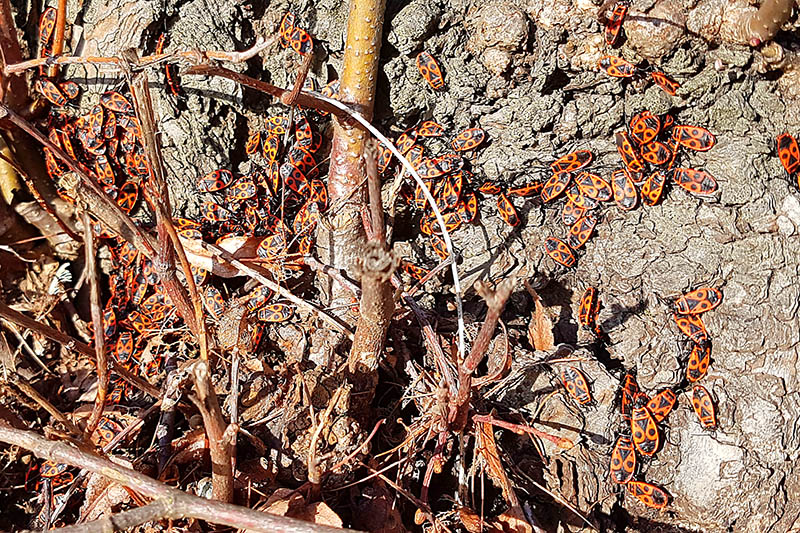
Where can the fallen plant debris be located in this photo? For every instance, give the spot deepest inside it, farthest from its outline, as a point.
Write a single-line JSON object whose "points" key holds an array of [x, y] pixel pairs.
{"points": [[279, 353]]}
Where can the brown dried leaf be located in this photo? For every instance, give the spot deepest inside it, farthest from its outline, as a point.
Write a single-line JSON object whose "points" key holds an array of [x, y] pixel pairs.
{"points": [[540, 329], [487, 450], [287, 502], [103, 496], [513, 521]]}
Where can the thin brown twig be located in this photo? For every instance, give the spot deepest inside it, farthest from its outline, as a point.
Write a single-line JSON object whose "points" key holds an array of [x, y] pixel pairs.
{"points": [[58, 35], [189, 306], [23, 385], [97, 325], [216, 428], [73, 344], [255, 273], [90, 192], [177, 504], [39, 198], [496, 302]]}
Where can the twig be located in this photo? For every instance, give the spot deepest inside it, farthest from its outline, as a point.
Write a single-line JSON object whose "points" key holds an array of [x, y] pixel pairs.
{"points": [[191, 310], [117, 64], [97, 326], [519, 429], [72, 344], [177, 504], [304, 98], [58, 35], [90, 192], [255, 274], [496, 302], [22, 384], [335, 273], [217, 430]]}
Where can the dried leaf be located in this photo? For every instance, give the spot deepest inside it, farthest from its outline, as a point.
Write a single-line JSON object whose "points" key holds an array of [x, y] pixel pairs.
{"points": [[540, 329], [487, 450], [287, 502], [103, 496], [513, 521], [7, 359]]}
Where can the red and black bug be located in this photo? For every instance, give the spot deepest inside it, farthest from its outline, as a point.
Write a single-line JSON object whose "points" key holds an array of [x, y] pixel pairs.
{"points": [[439, 247], [644, 431], [571, 213], [270, 146], [300, 41], [593, 186], [589, 308], [628, 394], [576, 197], [699, 360], [214, 302], [406, 140], [694, 137], [789, 153], [576, 384], [655, 153], [698, 301], [627, 152], [661, 404], [507, 210], [51, 92], [652, 188], [580, 232], [430, 70], [215, 181], [214, 212], [623, 461], [614, 24], [275, 313], [430, 128], [651, 495], [285, 29], [489, 188], [530, 189], [416, 272], [625, 194], [695, 181], [559, 251], [468, 140], [383, 158], [644, 127], [253, 142], [572, 161], [451, 191], [47, 26], [555, 185], [617, 67], [114, 101], [127, 196], [243, 189], [692, 326], [271, 246], [105, 174], [704, 407], [666, 83], [69, 89], [277, 125], [467, 208]]}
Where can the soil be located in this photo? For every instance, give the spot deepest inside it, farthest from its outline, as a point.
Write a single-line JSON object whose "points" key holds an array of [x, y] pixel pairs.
{"points": [[525, 72]]}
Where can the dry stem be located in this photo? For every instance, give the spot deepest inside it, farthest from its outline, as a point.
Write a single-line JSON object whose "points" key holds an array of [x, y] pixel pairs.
{"points": [[176, 504], [496, 302], [762, 25], [97, 325]]}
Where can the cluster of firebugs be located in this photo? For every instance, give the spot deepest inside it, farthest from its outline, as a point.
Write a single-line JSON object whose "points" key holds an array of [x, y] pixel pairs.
{"points": [[106, 143], [640, 435]]}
